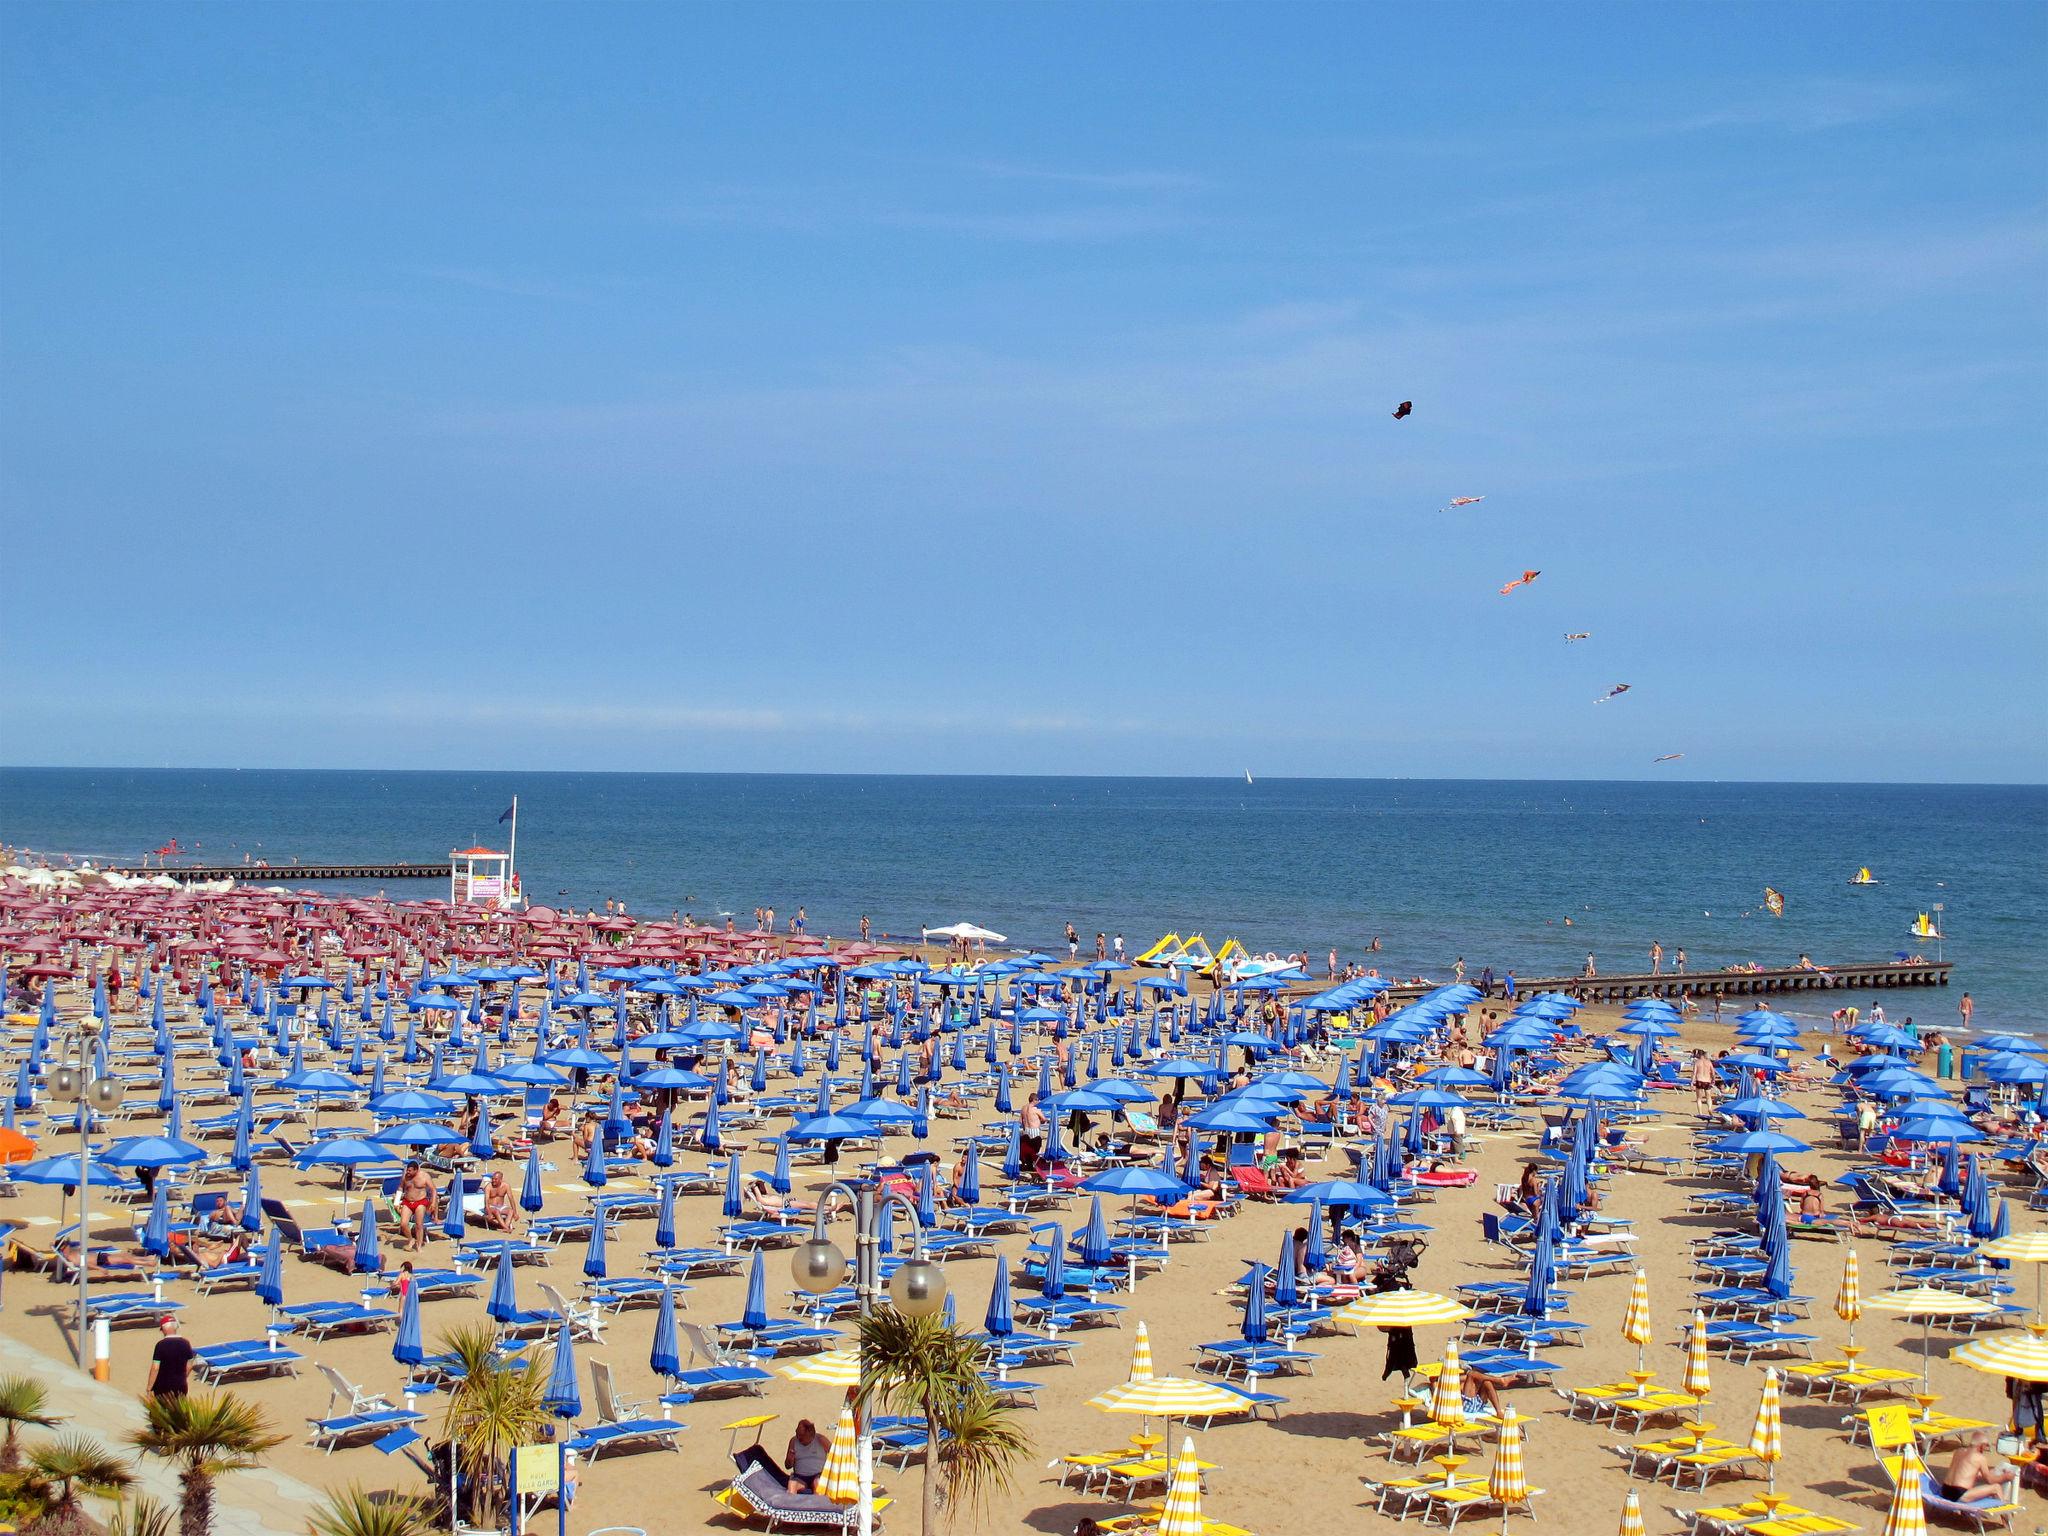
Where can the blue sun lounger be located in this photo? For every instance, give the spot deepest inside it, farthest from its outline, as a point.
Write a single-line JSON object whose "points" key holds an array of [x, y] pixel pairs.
{"points": [[345, 1429], [245, 1360]]}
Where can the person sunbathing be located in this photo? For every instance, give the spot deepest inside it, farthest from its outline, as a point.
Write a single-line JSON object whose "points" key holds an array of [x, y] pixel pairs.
{"points": [[1481, 1394], [212, 1255], [108, 1263], [550, 1120], [1971, 1478]]}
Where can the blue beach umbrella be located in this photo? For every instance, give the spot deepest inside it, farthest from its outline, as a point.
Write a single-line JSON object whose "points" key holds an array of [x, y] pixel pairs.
{"points": [[1318, 1257], [732, 1206], [1286, 1283], [663, 1357], [408, 1348], [453, 1222], [156, 1232], [593, 1252], [593, 1165], [1092, 1245], [252, 1200], [1253, 1327], [970, 1177], [368, 1257], [1054, 1283], [562, 1398], [504, 1303], [529, 1192], [664, 1140], [755, 1313], [1000, 1321], [270, 1275], [665, 1216], [780, 1180]]}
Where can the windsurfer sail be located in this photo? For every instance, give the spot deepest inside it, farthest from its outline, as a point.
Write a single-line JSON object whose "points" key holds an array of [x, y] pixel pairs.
{"points": [[1923, 927], [1863, 876]]}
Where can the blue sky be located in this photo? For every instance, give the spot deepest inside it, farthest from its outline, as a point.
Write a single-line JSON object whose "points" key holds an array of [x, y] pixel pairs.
{"points": [[1008, 388]]}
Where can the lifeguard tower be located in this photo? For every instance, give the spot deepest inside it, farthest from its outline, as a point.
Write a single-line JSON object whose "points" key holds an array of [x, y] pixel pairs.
{"points": [[482, 877]]}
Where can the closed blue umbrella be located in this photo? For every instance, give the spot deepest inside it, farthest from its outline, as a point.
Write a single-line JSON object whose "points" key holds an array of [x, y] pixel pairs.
{"points": [[1000, 1320], [927, 1195], [970, 1177], [156, 1232], [593, 1252], [1318, 1257], [1092, 1246], [252, 1200], [368, 1258], [1286, 1285], [529, 1192], [1004, 1105], [755, 1313], [593, 1165], [709, 1136], [562, 1399], [24, 1088], [665, 1216], [664, 1140], [270, 1276], [454, 1220], [663, 1358], [504, 1303], [780, 1179], [1013, 1152], [408, 1348], [1536, 1295], [732, 1206], [1253, 1327], [1054, 1283]]}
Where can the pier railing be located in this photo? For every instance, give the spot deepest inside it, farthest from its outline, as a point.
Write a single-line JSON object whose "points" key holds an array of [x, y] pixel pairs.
{"points": [[276, 873], [1734, 983]]}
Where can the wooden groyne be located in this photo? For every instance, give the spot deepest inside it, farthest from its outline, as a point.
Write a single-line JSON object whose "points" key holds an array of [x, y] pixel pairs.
{"points": [[274, 873], [1704, 984]]}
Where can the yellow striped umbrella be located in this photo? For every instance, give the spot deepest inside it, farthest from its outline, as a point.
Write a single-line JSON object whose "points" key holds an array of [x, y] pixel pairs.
{"points": [[1632, 1516], [840, 1480], [1447, 1402], [1767, 1438], [1635, 1322], [1402, 1309], [1696, 1383], [1927, 1302], [2022, 1248], [1508, 1483], [1181, 1515], [1907, 1515], [1849, 1298], [1169, 1397], [2007, 1354], [829, 1368], [1141, 1354]]}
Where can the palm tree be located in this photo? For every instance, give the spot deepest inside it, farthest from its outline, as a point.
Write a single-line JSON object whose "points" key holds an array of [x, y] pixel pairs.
{"points": [[76, 1464], [353, 1511], [490, 1412], [920, 1365], [23, 1400], [144, 1516], [211, 1435]]}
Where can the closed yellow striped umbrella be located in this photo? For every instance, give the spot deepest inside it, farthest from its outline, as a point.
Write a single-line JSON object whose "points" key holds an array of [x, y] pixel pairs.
{"points": [[829, 1368], [1697, 1382], [1402, 1309], [1168, 1397], [2021, 1356], [1907, 1515], [1632, 1516], [1141, 1354], [840, 1481], [1508, 1483], [1447, 1401], [1849, 1297], [1181, 1515], [1767, 1437], [1636, 1326]]}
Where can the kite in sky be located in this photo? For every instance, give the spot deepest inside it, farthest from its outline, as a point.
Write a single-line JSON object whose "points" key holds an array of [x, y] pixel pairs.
{"points": [[1613, 693], [1463, 501], [1668, 757], [1520, 581], [1584, 634], [1403, 409]]}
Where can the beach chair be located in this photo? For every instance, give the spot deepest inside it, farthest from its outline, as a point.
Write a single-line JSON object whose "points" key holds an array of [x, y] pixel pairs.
{"points": [[331, 1434], [244, 1360], [759, 1492], [724, 1372], [616, 1429], [1252, 1182], [689, 1263], [585, 1321], [1890, 1431], [1683, 1455]]}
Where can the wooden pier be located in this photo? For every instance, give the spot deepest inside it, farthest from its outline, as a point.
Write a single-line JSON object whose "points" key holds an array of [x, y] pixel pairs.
{"points": [[271, 874], [1876, 976]]}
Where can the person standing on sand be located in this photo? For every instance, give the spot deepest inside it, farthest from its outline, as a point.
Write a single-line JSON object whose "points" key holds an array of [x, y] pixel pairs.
{"points": [[1508, 986], [1702, 1081], [1656, 957], [1966, 1008], [1073, 943], [1117, 947], [863, 927], [1101, 946]]}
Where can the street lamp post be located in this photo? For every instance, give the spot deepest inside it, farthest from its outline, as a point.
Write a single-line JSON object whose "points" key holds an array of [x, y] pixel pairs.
{"points": [[917, 1289], [83, 1086]]}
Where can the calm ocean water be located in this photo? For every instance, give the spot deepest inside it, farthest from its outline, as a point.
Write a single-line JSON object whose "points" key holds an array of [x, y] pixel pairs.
{"points": [[1436, 869]]}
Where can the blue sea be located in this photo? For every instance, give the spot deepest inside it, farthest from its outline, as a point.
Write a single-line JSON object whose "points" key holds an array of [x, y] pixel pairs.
{"points": [[1436, 869]]}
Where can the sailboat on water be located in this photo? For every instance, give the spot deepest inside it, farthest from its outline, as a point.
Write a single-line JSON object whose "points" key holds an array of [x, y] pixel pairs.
{"points": [[1923, 927], [1863, 876], [1247, 775]]}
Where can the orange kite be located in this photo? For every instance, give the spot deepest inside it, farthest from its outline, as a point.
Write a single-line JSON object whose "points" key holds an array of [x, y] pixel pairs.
{"points": [[1520, 581]]}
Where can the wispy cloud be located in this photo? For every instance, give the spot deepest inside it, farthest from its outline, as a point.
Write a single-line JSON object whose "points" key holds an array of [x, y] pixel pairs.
{"points": [[1813, 105], [1104, 181], [496, 282]]}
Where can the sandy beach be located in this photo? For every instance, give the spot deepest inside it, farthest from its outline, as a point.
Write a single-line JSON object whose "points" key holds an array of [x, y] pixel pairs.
{"points": [[1303, 1472]]}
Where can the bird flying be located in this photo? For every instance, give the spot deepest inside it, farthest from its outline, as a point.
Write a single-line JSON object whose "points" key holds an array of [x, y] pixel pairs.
{"points": [[1403, 409], [1520, 581], [1584, 634], [1668, 757], [1462, 501], [1613, 693]]}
